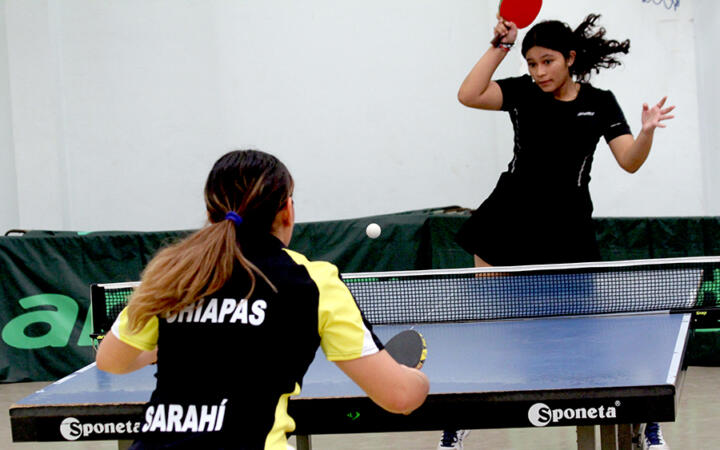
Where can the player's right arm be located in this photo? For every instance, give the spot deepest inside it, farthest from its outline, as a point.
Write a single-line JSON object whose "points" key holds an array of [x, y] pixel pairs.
{"points": [[396, 388], [123, 352], [115, 356], [478, 90]]}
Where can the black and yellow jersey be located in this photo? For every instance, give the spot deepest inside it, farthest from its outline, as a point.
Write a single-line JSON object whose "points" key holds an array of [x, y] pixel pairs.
{"points": [[228, 364]]}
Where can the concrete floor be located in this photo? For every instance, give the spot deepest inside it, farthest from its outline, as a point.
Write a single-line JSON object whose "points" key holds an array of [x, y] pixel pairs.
{"points": [[698, 416]]}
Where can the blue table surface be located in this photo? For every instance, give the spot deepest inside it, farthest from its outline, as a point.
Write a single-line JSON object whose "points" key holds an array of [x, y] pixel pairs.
{"points": [[584, 352]]}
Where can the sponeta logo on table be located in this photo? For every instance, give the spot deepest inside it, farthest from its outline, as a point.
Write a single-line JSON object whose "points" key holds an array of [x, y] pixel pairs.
{"points": [[541, 415], [72, 429]]}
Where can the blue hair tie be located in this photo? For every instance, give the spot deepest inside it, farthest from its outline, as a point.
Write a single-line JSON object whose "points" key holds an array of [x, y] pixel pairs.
{"points": [[235, 217]]}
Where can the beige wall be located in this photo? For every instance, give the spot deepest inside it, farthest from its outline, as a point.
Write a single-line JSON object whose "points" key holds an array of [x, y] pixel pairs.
{"points": [[118, 109]]}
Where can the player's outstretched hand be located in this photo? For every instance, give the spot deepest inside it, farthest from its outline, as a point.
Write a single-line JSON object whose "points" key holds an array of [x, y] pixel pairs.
{"points": [[653, 117]]}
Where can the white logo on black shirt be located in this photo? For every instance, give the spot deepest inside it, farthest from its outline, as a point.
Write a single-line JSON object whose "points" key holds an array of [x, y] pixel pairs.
{"points": [[227, 310], [184, 418], [586, 113]]}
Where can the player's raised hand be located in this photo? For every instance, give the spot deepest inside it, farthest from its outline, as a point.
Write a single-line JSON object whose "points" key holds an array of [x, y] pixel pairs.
{"points": [[653, 117], [508, 30]]}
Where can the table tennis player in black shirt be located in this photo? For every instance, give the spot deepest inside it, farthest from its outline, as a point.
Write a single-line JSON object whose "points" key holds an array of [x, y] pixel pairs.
{"points": [[540, 210]]}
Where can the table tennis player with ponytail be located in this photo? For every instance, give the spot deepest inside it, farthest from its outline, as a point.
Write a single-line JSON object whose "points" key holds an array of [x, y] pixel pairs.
{"points": [[540, 211], [234, 318]]}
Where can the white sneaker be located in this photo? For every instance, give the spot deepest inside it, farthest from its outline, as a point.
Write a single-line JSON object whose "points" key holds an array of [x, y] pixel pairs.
{"points": [[453, 439], [653, 438]]}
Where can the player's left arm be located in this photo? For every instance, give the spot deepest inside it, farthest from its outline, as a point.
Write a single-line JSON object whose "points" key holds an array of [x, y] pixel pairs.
{"points": [[115, 356], [631, 153], [348, 341]]}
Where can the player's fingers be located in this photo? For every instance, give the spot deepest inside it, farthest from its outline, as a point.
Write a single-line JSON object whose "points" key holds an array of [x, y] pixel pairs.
{"points": [[502, 20], [662, 102], [668, 109]]}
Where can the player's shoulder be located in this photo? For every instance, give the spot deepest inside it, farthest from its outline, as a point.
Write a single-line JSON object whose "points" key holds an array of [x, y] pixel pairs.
{"points": [[520, 82], [316, 269], [518, 91], [595, 93]]}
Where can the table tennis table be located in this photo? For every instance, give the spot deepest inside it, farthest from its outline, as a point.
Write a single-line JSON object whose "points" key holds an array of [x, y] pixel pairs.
{"points": [[606, 370]]}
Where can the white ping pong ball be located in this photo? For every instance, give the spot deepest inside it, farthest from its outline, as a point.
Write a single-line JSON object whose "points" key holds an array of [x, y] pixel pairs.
{"points": [[373, 230]]}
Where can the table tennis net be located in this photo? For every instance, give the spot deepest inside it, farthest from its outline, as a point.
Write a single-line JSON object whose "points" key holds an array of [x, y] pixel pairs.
{"points": [[107, 301], [537, 291], [503, 293]]}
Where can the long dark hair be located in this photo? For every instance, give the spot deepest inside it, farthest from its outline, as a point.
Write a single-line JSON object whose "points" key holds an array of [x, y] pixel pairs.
{"points": [[254, 185], [592, 50]]}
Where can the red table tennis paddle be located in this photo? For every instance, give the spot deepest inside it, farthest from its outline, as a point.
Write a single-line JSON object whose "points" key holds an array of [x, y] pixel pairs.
{"points": [[408, 348], [520, 12]]}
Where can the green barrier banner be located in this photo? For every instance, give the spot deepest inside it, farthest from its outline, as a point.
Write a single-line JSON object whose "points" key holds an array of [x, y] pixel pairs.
{"points": [[45, 318], [46, 276], [45, 297]]}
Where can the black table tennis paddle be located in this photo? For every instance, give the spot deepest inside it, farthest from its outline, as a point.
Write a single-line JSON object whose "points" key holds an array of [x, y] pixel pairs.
{"points": [[408, 348]]}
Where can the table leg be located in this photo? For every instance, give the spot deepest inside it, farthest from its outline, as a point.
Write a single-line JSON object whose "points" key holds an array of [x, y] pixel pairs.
{"points": [[620, 437], [626, 433], [586, 437], [303, 442], [608, 437]]}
